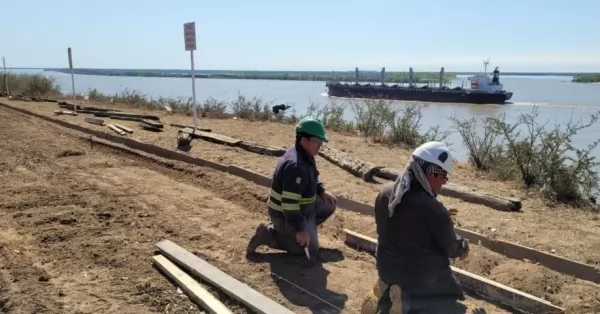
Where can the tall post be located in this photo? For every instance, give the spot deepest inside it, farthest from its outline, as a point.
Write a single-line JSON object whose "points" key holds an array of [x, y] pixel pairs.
{"points": [[383, 76], [5, 77], [72, 78], [442, 77], [189, 34], [356, 75]]}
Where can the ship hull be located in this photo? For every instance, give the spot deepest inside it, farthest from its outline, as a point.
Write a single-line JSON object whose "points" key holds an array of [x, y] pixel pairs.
{"points": [[417, 94]]}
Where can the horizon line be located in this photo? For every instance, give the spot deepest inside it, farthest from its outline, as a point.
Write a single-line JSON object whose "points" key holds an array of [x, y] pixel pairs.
{"points": [[199, 70]]}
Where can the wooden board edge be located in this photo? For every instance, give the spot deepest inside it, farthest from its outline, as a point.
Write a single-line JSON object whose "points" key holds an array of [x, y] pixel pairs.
{"points": [[191, 287], [264, 306], [485, 287]]}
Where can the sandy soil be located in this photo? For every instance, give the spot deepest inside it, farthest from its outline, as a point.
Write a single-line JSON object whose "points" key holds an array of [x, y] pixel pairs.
{"points": [[78, 231], [79, 223], [571, 233]]}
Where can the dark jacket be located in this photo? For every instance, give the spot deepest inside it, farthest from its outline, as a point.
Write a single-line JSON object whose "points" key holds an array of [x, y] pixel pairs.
{"points": [[415, 244], [295, 187]]}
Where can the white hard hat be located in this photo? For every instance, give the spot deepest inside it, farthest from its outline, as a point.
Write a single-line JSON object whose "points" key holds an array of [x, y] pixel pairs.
{"points": [[436, 153]]}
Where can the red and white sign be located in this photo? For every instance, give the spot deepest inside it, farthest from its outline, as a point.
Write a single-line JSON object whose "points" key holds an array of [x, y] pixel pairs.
{"points": [[189, 35]]}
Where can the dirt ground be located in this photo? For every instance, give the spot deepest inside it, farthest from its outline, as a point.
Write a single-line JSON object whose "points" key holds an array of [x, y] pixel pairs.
{"points": [[79, 226], [568, 232], [79, 223]]}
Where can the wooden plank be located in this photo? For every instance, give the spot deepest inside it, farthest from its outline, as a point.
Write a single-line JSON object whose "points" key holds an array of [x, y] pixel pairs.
{"points": [[217, 278], [508, 249], [124, 128], [191, 287], [95, 121], [262, 149], [362, 169], [183, 126], [464, 193], [127, 118], [125, 114], [64, 104], [66, 112], [116, 129], [149, 127], [482, 286], [212, 137]]}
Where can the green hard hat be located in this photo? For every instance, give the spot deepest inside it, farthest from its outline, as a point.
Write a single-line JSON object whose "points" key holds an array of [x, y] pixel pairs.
{"points": [[311, 126]]}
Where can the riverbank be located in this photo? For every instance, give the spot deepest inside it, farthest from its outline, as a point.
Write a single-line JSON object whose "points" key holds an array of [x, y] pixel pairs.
{"points": [[348, 76], [538, 226], [382, 123], [587, 78]]}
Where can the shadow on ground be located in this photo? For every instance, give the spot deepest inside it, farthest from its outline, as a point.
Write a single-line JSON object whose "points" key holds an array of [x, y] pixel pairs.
{"points": [[304, 283]]}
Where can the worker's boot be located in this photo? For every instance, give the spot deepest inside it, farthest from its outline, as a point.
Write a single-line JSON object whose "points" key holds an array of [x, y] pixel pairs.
{"points": [[259, 238], [396, 299], [369, 305]]}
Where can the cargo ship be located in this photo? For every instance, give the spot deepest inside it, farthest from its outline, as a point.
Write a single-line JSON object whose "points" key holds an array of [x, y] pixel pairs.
{"points": [[483, 90]]}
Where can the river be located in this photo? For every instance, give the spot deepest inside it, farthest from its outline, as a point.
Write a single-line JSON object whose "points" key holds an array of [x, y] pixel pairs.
{"points": [[557, 98]]}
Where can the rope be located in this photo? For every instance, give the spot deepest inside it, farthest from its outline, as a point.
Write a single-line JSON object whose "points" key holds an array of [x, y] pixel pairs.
{"points": [[311, 294]]}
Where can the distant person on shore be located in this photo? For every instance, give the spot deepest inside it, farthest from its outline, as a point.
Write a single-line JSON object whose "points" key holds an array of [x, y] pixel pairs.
{"points": [[298, 202], [279, 110], [416, 238]]}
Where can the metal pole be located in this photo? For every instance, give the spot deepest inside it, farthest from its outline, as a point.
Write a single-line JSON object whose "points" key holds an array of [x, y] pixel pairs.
{"points": [[194, 91], [5, 76], [73, 84], [72, 79]]}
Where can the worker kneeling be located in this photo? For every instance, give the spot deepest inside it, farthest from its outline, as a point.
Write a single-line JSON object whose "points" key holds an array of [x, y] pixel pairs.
{"points": [[416, 238], [298, 202]]}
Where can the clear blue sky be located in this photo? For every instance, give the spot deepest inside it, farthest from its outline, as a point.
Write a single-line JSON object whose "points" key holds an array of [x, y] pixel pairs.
{"points": [[526, 35]]}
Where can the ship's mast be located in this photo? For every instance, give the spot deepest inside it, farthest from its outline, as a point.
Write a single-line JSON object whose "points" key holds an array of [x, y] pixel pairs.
{"points": [[485, 65]]}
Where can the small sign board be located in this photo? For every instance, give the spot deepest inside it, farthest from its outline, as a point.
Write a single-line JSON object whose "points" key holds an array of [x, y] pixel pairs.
{"points": [[189, 35], [70, 58]]}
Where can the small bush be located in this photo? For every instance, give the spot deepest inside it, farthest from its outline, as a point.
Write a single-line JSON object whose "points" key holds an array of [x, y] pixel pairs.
{"points": [[404, 127], [32, 85], [332, 117], [251, 109], [216, 109], [371, 117], [539, 156]]}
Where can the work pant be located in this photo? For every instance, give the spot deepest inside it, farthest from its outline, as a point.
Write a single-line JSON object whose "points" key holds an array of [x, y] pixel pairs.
{"points": [[386, 299], [281, 235]]}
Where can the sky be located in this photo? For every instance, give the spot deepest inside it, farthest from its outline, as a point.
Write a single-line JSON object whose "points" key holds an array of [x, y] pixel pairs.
{"points": [[526, 35]]}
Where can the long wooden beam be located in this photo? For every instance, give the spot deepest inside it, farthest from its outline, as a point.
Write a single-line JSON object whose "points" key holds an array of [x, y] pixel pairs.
{"points": [[482, 286], [191, 287], [217, 278], [465, 194]]}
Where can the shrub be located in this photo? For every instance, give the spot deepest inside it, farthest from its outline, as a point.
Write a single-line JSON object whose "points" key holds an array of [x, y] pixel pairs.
{"points": [[404, 127], [251, 109], [32, 85], [371, 117], [539, 156]]}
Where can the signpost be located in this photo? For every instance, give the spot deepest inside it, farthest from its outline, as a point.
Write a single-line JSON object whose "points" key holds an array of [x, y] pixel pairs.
{"points": [[72, 77], [5, 87], [189, 35]]}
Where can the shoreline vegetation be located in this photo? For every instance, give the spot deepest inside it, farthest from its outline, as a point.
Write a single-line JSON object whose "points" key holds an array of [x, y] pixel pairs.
{"points": [[530, 151], [344, 76], [587, 78]]}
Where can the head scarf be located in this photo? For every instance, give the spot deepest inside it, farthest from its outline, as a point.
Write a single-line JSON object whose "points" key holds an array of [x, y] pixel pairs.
{"points": [[414, 169]]}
